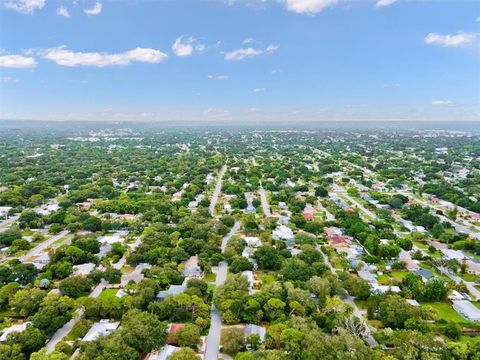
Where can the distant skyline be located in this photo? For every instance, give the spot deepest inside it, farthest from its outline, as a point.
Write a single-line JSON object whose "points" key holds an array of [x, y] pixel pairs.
{"points": [[240, 60]]}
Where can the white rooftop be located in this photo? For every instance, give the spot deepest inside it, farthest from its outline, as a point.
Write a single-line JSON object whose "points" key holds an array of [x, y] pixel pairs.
{"points": [[453, 254], [467, 309], [163, 353], [104, 327], [83, 269]]}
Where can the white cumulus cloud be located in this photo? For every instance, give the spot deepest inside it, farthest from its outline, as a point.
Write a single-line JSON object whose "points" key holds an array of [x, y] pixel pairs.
{"points": [[8, 79], [259, 90], [94, 10], [381, 3], [309, 7], [25, 6], [184, 46], [460, 39], [443, 102], [271, 48], [243, 53], [62, 56], [63, 11], [217, 77], [17, 62]]}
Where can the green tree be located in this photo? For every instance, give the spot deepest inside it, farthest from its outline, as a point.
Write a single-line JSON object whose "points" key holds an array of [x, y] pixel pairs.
{"points": [[27, 301], [232, 340], [184, 354], [75, 286], [143, 331], [188, 336]]}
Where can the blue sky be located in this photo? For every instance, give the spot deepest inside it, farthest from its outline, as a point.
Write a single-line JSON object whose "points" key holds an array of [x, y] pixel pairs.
{"points": [[226, 61]]}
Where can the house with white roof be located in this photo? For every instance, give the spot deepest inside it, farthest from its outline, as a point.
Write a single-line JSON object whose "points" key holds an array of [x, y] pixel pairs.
{"points": [[83, 269], [466, 309], [162, 354], [249, 275], [452, 254], [252, 329], [103, 327], [4, 211], [283, 232], [385, 288], [172, 290]]}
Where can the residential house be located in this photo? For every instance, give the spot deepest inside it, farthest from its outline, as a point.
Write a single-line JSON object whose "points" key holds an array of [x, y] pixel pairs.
{"points": [[466, 309], [252, 329], [101, 328], [172, 290], [162, 354]]}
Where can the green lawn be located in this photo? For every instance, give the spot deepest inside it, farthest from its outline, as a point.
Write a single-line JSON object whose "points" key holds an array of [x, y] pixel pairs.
{"points": [[421, 245], [468, 277], [108, 293], [399, 274], [79, 330], [445, 312], [266, 277], [383, 279], [210, 277]]}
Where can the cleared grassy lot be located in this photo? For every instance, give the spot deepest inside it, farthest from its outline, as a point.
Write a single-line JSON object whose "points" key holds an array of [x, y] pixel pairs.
{"points": [[445, 312]]}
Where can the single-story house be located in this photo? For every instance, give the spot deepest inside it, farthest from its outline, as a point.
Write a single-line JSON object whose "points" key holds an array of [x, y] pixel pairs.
{"points": [[103, 327], [424, 273], [163, 353], [4, 211], [385, 288], [413, 302], [466, 309], [283, 232], [453, 254], [411, 265], [249, 275], [252, 329], [338, 240], [172, 290], [83, 269], [367, 275]]}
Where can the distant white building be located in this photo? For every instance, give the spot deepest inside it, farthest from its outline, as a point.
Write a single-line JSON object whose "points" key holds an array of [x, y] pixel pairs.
{"points": [[249, 275], [172, 290], [4, 211], [413, 302], [385, 288], [253, 241], [48, 209], [452, 254], [113, 238], [103, 327], [283, 233], [252, 329], [163, 353], [83, 269]]}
